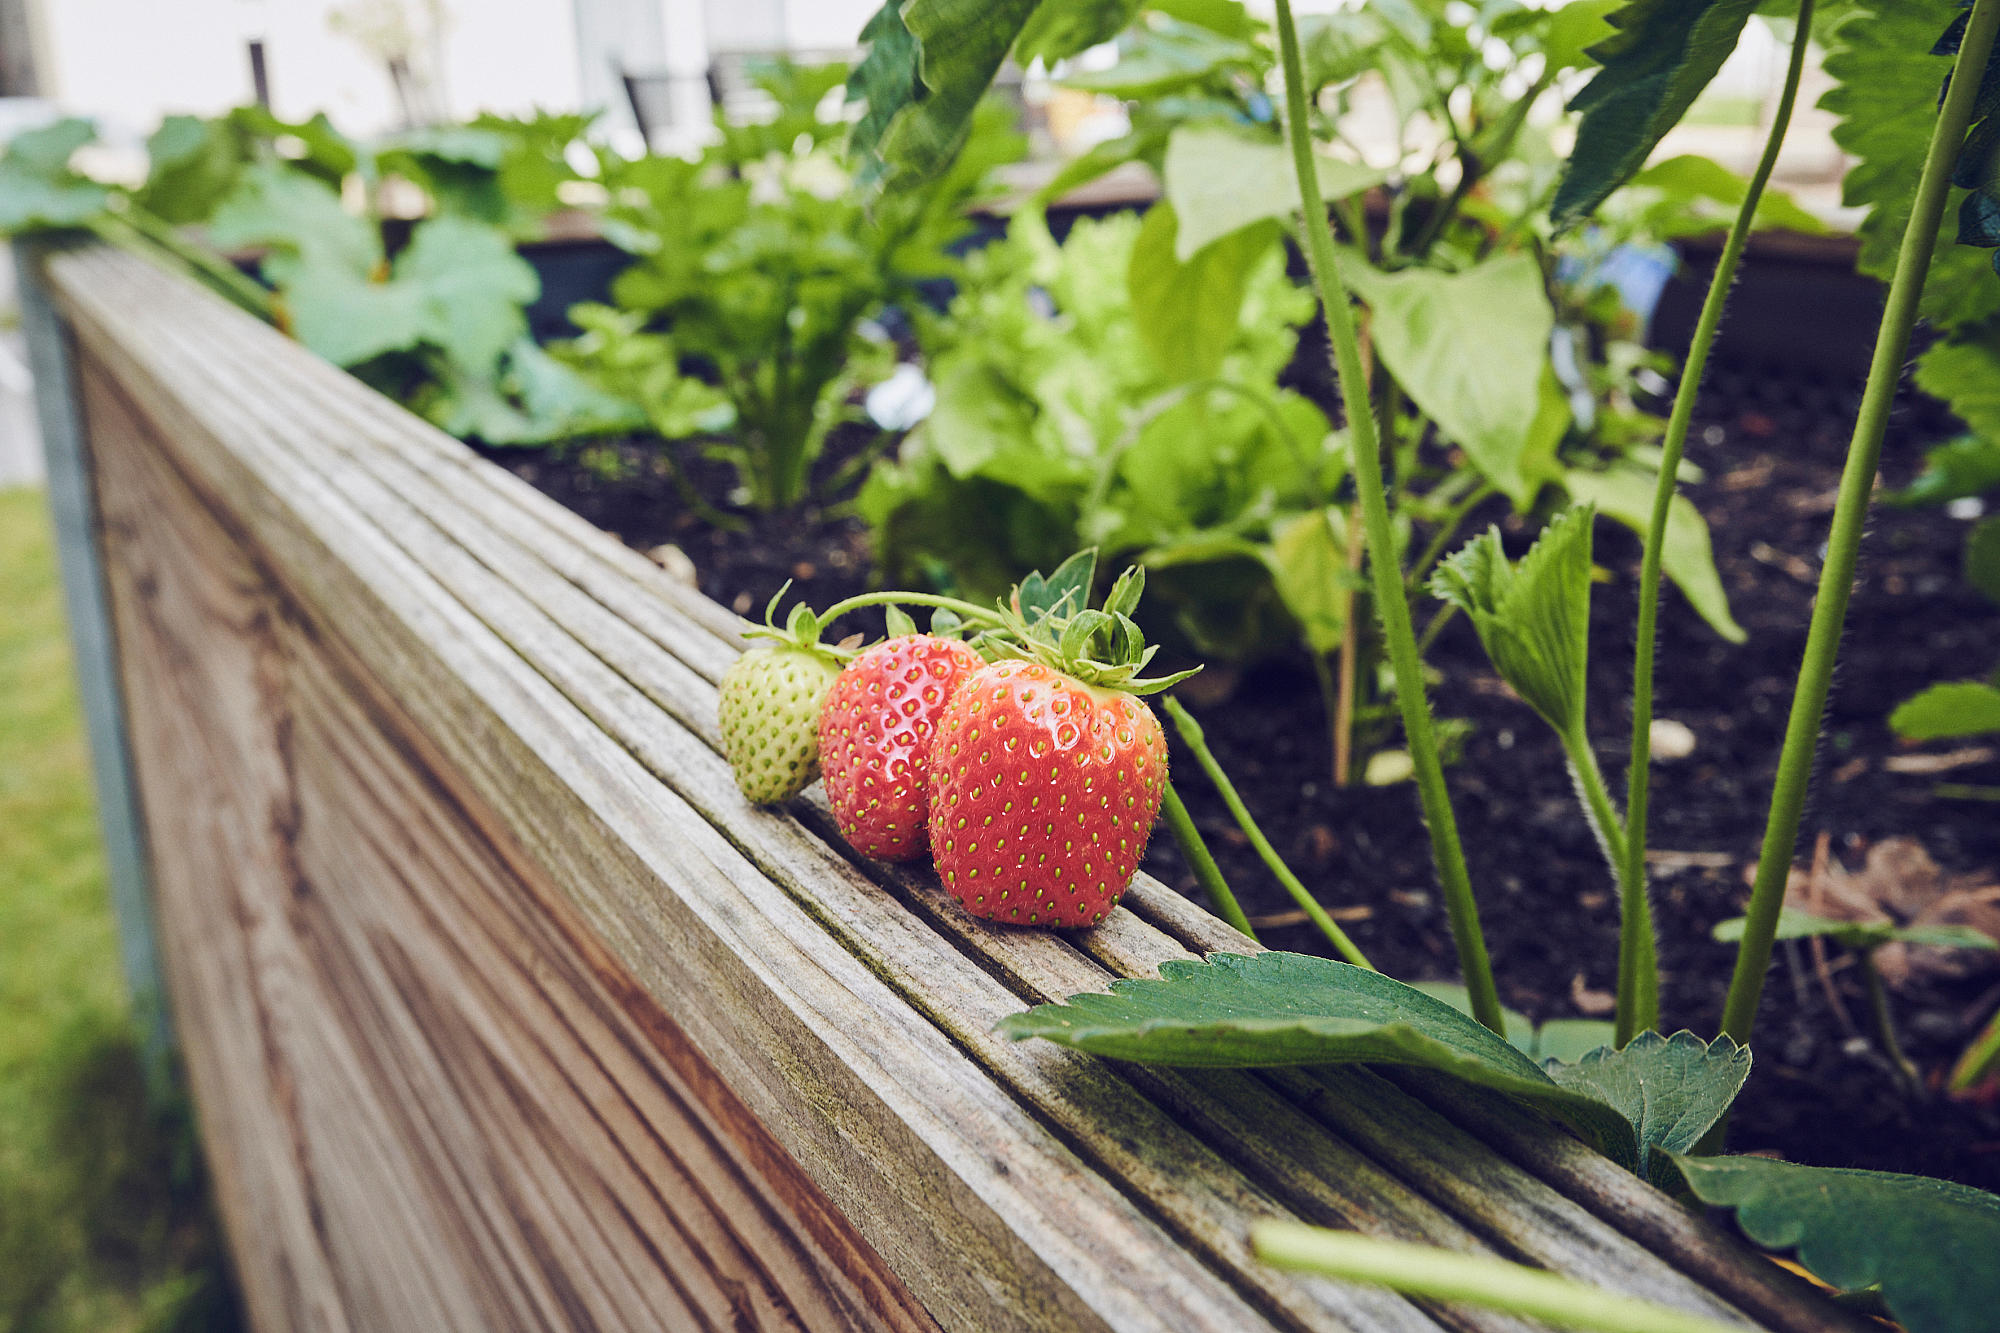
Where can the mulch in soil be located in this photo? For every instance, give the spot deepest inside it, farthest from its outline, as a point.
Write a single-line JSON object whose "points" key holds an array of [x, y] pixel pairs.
{"points": [[1772, 448]]}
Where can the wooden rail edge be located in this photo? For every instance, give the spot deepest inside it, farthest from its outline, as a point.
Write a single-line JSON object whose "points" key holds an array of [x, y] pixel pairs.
{"points": [[502, 1009]]}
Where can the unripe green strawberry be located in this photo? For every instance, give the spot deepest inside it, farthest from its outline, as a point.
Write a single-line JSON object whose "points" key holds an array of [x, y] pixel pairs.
{"points": [[769, 714], [1043, 792], [874, 731]]}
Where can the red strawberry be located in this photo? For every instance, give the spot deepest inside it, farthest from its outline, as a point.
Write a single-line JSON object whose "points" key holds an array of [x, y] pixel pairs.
{"points": [[874, 731], [1043, 791]]}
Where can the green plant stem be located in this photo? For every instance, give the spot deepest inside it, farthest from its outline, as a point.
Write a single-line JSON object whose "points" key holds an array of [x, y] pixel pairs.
{"points": [[1390, 603], [1206, 872], [1604, 820], [1447, 1275], [1448, 527], [1191, 733], [1332, 705], [1885, 1022], [985, 615], [161, 243], [1980, 1058], [1638, 979], [1795, 762]]}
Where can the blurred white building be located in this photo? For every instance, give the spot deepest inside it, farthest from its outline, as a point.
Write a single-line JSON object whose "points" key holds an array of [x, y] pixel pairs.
{"points": [[129, 62]]}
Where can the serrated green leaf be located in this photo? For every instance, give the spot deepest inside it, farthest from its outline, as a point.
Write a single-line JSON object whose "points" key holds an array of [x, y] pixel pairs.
{"points": [[1276, 1009], [1964, 371], [1187, 313], [926, 65], [1947, 711], [1886, 98], [1663, 54], [1219, 180], [1794, 924], [1533, 618], [1928, 1244], [1672, 1089], [1626, 494], [1423, 321]]}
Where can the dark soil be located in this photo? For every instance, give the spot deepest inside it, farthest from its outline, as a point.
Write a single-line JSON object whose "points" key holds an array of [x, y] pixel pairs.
{"points": [[1772, 448]]}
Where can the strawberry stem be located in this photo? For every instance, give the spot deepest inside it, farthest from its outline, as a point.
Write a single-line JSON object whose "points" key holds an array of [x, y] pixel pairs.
{"points": [[971, 611], [1191, 733], [1391, 602], [1206, 872]]}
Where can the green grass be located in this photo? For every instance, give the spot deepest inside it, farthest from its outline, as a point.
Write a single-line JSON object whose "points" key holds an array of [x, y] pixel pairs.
{"points": [[104, 1223]]}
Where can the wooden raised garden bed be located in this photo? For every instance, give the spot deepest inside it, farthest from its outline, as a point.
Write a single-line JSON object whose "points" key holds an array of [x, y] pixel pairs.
{"points": [[501, 1008]]}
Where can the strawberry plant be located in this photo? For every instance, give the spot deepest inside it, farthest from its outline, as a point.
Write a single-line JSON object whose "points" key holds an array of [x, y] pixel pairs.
{"points": [[1650, 1101]]}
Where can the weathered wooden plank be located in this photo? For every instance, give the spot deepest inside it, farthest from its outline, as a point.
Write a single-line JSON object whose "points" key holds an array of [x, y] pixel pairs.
{"points": [[496, 1099]]}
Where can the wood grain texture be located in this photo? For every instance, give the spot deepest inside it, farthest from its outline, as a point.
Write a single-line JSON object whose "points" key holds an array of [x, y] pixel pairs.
{"points": [[520, 1017]]}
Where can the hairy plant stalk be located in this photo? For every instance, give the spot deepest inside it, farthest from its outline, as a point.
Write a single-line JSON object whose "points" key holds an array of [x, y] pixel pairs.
{"points": [[1206, 872], [1638, 970], [1390, 603], [1494, 1284], [1191, 733], [1596, 799], [1795, 762]]}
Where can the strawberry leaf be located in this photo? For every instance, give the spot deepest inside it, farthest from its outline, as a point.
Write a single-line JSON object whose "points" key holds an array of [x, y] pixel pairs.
{"points": [[926, 65], [1966, 466], [1794, 924], [1533, 618], [1276, 1009], [1672, 1089], [1928, 1244], [1663, 54]]}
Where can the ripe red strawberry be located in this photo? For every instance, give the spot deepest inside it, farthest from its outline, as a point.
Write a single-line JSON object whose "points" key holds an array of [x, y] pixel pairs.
{"points": [[874, 731], [1043, 792]]}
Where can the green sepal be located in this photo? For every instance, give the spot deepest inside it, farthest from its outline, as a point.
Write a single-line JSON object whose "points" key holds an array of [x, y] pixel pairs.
{"points": [[897, 622]]}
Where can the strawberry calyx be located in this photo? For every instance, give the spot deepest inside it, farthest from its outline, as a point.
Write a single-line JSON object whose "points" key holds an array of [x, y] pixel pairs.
{"points": [[1049, 620]]}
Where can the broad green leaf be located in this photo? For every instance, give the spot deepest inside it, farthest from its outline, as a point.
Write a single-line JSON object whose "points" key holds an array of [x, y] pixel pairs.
{"points": [[346, 318], [1099, 159], [1928, 1244], [194, 165], [1308, 563], [1942, 712], [1274, 1009], [1794, 924], [1886, 97], [1533, 618], [1966, 466], [1663, 54], [1165, 57], [298, 221], [1229, 18], [475, 289], [1469, 349], [1672, 1089], [927, 64], [1219, 180], [1964, 371], [1626, 494], [537, 400], [1187, 313], [1696, 195], [1982, 558], [37, 188]]}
